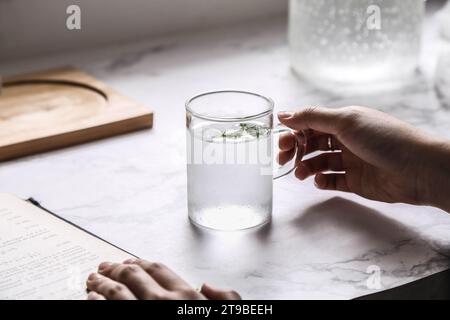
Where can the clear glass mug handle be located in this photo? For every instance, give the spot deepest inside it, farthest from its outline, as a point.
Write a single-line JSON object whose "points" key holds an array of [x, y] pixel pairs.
{"points": [[281, 171]]}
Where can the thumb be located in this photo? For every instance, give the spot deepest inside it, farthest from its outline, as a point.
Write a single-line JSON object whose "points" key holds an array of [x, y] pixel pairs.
{"points": [[317, 118], [218, 294]]}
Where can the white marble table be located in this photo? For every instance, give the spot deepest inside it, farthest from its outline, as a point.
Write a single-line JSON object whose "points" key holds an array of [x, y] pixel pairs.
{"points": [[131, 189]]}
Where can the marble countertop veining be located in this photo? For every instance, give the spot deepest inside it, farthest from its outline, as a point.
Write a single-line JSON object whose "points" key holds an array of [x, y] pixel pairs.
{"points": [[131, 189]]}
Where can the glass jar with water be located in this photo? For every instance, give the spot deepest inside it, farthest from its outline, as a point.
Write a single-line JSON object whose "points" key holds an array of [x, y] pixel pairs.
{"points": [[229, 159], [354, 41]]}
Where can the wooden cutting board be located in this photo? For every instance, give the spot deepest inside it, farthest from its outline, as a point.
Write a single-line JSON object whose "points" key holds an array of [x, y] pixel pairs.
{"points": [[62, 107]]}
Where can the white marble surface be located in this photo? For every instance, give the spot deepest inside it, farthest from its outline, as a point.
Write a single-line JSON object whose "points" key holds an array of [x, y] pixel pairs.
{"points": [[131, 189]]}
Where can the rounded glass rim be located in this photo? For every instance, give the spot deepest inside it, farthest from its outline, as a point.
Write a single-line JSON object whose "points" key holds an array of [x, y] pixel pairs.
{"points": [[230, 119]]}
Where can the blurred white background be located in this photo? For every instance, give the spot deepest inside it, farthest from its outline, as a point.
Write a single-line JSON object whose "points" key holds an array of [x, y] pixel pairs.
{"points": [[29, 27]]}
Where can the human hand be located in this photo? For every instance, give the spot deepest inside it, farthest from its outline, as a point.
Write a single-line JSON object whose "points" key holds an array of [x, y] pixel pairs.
{"points": [[376, 156], [136, 279]]}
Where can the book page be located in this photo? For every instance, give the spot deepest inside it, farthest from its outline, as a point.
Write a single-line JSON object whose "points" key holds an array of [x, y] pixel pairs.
{"points": [[44, 257]]}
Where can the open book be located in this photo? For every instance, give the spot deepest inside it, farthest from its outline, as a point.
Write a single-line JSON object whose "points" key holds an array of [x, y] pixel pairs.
{"points": [[43, 256]]}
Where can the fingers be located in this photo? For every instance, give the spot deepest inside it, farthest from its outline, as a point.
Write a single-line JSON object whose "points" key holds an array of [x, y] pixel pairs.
{"points": [[218, 294], [308, 141], [95, 296], [331, 161], [143, 280], [108, 288], [135, 278], [316, 118], [288, 141], [288, 144], [163, 275], [332, 181], [140, 279], [317, 141], [285, 156]]}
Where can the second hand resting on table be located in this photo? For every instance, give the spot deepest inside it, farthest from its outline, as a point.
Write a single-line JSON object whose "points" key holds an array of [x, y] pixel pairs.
{"points": [[375, 156]]}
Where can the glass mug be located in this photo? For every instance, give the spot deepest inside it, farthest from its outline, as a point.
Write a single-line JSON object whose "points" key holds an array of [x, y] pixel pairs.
{"points": [[230, 159]]}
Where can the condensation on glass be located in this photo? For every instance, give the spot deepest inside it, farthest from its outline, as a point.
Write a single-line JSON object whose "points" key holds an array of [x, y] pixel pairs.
{"points": [[354, 41]]}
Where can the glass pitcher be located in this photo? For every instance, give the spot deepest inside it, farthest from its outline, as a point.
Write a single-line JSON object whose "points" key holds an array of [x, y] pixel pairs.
{"points": [[445, 21], [354, 41]]}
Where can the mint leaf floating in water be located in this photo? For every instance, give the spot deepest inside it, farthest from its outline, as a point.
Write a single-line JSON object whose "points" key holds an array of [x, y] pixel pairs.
{"points": [[253, 129], [233, 133], [245, 130]]}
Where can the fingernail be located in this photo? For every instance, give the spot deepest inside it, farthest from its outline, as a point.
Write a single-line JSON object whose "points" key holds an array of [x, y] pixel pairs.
{"points": [[302, 171], [93, 276], [103, 266], [285, 114], [130, 261], [320, 181], [205, 286], [92, 294]]}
